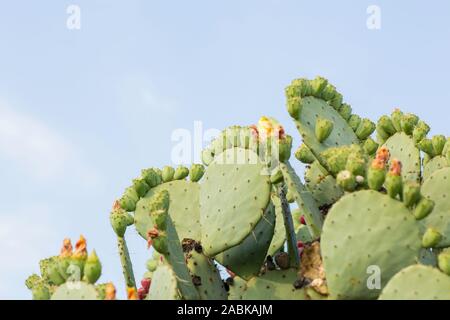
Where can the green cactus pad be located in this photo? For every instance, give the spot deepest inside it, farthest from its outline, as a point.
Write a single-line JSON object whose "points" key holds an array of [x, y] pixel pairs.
{"points": [[237, 289], [210, 286], [164, 285], [437, 188], [402, 147], [183, 209], [77, 290], [279, 233], [247, 258], [364, 229], [274, 285], [304, 200], [314, 108], [233, 199], [322, 185], [417, 282], [433, 165]]}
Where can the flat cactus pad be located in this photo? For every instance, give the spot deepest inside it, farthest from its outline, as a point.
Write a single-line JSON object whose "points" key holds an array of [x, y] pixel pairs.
{"points": [[77, 290]]}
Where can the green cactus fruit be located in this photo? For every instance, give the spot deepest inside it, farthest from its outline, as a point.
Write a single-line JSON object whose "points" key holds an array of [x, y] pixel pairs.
{"points": [[324, 127], [396, 117], [345, 111], [167, 173], [164, 285], [394, 185], [417, 282], [420, 131], [370, 146], [358, 232], [120, 220], [411, 194], [346, 180], [77, 290], [50, 271], [284, 148], [376, 174], [365, 129], [32, 281], [152, 264], [408, 122], [423, 208], [356, 164], [140, 186], [385, 123], [318, 85], [439, 142], [444, 261], [180, 173], [40, 292], [92, 268], [354, 121], [304, 155], [152, 177], [276, 176], [426, 145], [158, 209], [294, 107], [431, 238], [129, 199], [196, 173], [329, 92]]}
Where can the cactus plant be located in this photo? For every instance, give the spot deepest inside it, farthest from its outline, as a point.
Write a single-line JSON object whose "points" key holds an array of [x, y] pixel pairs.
{"points": [[364, 206]]}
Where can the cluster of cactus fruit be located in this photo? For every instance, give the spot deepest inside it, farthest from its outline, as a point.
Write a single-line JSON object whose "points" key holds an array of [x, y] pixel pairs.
{"points": [[370, 221]]}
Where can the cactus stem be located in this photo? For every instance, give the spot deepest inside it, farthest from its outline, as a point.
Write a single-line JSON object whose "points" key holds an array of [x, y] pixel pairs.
{"points": [[125, 260]]}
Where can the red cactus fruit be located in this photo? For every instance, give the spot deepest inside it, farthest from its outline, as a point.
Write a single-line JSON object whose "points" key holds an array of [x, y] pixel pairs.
{"points": [[145, 283]]}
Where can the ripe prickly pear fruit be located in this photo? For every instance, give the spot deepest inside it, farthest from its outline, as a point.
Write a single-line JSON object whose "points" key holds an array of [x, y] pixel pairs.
{"points": [[393, 182], [408, 122], [167, 173], [444, 261], [129, 199], [411, 194], [145, 283], [376, 174], [346, 180], [438, 142], [132, 294], [140, 186], [324, 127], [426, 145], [152, 177], [345, 111], [302, 220], [141, 293], [120, 220], [365, 129], [294, 107], [92, 268], [431, 238], [354, 121], [318, 85], [196, 173], [370, 146], [386, 124], [180, 173], [423, 208], [304, 155]]}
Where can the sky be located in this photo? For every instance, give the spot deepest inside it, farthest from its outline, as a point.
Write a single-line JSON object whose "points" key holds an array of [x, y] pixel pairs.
{"points": [[82, 111]]}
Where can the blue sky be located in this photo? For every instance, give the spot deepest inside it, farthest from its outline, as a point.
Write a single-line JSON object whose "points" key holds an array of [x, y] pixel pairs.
{"points": [[82, 111]]}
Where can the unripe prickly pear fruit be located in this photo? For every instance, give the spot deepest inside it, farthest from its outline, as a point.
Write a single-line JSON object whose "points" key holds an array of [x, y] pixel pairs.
{"points": [[158, 207], [370, 146], [376, 174], [40, 292], [336, 101], [345, 111], [365, 129], [196, 173], [386, 124], [152, 177], [140, 186], [180, 173], [152, 264], [304, 155], [120, 220], [396, 117], [423, 208], [294, 107], [420, 131], [92, 268], [167, 173], [324, 127], [284, 148], [318, 85], [408, 122], [79, 255], [426, 145], [132, 294], [129, 199], [356, 164], [346, 180], [393, 182], [50, 271], [431, 238], [411, 194], [32, 281], [444, 261], [328, 92], [438, 142], [276, 176], [354, 121], [158, 239]]}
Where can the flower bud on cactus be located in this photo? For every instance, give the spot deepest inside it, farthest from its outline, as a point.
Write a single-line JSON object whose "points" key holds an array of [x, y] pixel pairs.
{"points": [[284, 148], [438, 142], [318, 85], [354, 121], [431, 238], [304, 155], [365, 129], [92, 268], [140, 186], [423, 208], [376, 174], [110, 291], [324, 127], [426, 145], [345, 111], [420, 131], [370, 146], [129, 199], [408, 122], [386, 124], [120, 220], [180, 173], [444, 261], [196, 173], [393, 182], [396, 117], [294, 107], [167, 173], [411, 194], [346, 180], [152, 177], [65, 258]]}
